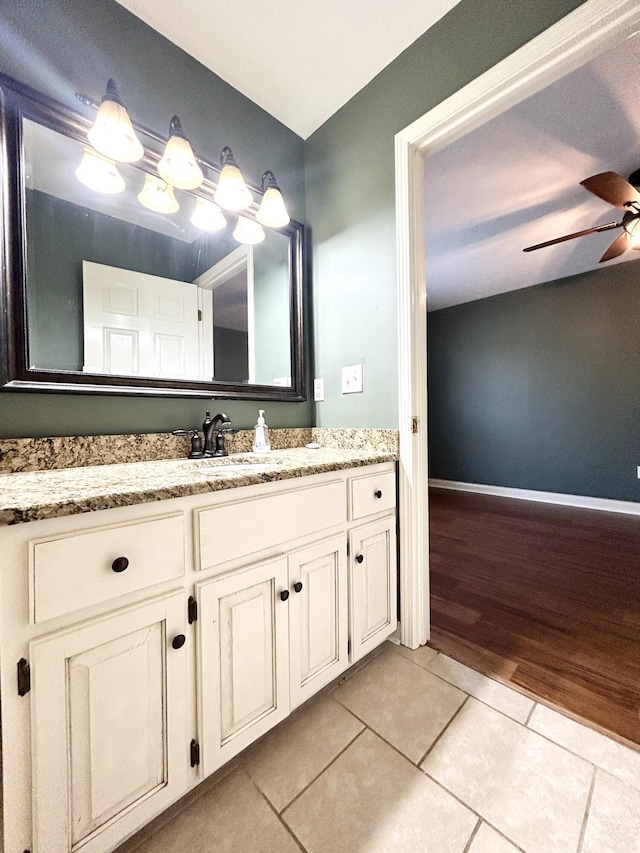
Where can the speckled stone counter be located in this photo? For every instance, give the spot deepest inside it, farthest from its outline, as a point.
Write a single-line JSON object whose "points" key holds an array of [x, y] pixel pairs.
{"points": [[34, 495]]}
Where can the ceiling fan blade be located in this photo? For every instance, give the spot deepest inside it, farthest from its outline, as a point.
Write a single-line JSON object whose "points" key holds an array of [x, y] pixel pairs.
{"points": [[613, 189], [564, 239], [619, 245]]}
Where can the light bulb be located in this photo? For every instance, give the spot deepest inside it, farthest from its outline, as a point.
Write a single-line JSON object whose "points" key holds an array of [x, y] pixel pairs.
{"points": [[112, 133], [272, 211], [99, 173], [232, 192], [207, 216], [633, 230], [248, 231], [178, 166], [158, 196]]}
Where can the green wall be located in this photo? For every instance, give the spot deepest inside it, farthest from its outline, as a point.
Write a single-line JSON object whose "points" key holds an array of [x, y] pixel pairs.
{"points": [[350, 195], [63, 46], [539, 388]]}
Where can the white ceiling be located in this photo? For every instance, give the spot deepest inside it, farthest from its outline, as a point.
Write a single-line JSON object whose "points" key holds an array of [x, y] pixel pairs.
{"points": [[299, 61], [515, 182]]}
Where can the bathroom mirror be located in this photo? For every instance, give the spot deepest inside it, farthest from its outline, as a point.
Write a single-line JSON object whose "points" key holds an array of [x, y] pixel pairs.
{"points": [[103, 295]]}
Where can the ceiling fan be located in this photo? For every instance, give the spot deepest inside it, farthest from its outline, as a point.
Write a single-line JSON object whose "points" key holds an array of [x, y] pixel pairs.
{"points": [[612, 188]]}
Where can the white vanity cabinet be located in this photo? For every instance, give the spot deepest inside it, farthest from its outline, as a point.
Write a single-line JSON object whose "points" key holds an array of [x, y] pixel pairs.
{"points": [[143, 646]]}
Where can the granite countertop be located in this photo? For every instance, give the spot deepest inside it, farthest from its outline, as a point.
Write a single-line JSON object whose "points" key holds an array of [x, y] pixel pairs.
{"points": [[35, 495]]}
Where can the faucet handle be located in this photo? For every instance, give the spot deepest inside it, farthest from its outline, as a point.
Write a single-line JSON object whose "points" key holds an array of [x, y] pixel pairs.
{"points": [[196, 442]]}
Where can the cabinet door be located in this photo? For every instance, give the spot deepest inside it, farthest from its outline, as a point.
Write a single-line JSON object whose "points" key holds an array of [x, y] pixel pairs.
{"points": [[318, 616], [108, 726], [243, 659], [373, 585]]}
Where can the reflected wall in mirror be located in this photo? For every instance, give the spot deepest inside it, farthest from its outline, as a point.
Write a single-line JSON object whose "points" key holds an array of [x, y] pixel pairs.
{"points": [[112, 296]]}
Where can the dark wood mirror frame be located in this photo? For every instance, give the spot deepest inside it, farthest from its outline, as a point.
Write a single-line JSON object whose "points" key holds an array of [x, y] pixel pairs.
{"points": [[18, 102]]}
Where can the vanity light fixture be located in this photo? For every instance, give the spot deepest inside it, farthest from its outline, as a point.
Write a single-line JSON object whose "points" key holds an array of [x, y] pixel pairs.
{"points": [[99, 173], [248, 231], [158, 196], [178, 166], [272, 212], [232, 192], [112, 133], [207, 216]]}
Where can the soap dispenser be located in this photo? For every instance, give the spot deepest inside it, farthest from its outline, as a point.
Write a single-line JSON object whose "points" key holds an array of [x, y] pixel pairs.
{"points": [[261, 443]]}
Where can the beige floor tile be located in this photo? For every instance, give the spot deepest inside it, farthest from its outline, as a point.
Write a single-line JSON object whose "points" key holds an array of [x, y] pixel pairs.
{"points": [[600, 750], [421, 656], [502, 698], [232, 818], [528, 788], [487, 840], [613, 825], [293, 754], [371, 800], [405, 704]]}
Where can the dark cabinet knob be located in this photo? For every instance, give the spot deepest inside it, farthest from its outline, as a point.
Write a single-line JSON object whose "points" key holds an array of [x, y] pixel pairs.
{"points": [[119, 564], [378, 493], [360, 558], [178, 641], [284, 595], [298, 586]]}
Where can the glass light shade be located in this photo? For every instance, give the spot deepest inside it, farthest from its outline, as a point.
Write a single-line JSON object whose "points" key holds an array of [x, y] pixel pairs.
{"points": [[207, 216], [112, 133], [633, 230], [272, 211], [178, 166], [248, 231], [99, 173], [158, 196], [231, 193]]}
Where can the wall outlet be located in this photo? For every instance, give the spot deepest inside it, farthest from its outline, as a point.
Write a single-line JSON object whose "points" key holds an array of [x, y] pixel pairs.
{"points": [[352, 379], [638, 471], [318, 390]]}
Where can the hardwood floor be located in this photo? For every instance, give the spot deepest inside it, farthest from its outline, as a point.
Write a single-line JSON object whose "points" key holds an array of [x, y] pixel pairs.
{"points": [[543, 597]]}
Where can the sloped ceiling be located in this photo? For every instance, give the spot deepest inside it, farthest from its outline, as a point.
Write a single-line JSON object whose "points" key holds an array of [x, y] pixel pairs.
{"points": [[299, 61], [515, 182]]}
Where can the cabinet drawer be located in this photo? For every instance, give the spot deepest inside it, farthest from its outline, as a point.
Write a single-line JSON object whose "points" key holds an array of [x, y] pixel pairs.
{"points": [[76, 571], [235, 530], [371, 494]]}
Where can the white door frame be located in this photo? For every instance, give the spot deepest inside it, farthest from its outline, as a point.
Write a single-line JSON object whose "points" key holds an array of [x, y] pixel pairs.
{"points": [[576, 39]]}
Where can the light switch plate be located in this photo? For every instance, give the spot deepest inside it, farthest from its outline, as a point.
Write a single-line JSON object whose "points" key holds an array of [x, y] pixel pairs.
{"points": [[318, 390], [352, 379]]}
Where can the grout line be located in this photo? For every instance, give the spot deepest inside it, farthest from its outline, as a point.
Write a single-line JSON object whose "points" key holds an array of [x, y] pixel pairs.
{"points": [[274, 810], [318, 775], [526, 722], [587, 810], [443, 731], [476, 829]]}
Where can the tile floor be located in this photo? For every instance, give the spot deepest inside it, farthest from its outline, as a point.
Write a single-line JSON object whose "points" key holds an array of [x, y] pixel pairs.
{"points": [[415, 753]]}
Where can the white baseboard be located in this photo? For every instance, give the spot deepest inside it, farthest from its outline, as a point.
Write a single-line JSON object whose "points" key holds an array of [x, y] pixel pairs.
{"points": [[605, 504]]}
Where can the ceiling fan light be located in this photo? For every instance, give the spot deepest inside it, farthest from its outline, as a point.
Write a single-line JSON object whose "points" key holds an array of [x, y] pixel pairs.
{"points": [[112, 133], [248, 231], [178, 165], [272, 211], [633, 230], [231, 193], [99, 173], [207, 216], [158, 196]]}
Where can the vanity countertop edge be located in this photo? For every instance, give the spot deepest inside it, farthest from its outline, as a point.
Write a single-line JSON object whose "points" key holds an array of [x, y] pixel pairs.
{"points": [[36, 495]]}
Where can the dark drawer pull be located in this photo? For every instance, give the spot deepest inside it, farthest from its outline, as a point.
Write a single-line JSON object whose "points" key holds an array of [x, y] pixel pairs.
{"points": [[298, 586], [360, 558], [284, 595], [178, 641], [119, 564], [378, 493]]}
